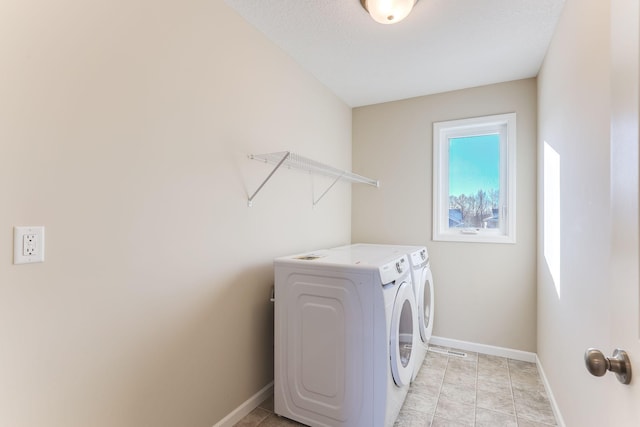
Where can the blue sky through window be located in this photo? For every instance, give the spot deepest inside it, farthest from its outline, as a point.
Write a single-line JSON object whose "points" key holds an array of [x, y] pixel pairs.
{"points": [[474, 164]]}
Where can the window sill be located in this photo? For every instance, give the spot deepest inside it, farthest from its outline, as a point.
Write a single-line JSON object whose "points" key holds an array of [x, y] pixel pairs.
{"points": [[473, 236]]}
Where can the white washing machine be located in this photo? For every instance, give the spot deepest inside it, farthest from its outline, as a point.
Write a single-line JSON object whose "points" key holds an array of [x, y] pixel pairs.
{"points": [[345, 324], [422, 280]]}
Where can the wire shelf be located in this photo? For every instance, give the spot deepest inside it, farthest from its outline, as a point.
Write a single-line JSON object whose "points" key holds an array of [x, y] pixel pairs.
{"points": [[298, 162]]}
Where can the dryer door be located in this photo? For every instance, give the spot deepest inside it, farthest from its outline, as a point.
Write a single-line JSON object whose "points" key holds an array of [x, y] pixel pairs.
{"points": [[425, 305], [401, 334]]}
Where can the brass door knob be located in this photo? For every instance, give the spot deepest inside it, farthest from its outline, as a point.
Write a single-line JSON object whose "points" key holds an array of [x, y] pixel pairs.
{"points": [[619, 363]]}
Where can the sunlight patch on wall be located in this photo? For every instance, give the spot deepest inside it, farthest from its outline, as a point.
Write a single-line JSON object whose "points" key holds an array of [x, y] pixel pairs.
{"points": [[552, 213]]}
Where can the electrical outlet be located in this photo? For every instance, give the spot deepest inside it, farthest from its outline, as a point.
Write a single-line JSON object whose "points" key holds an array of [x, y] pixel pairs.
{"points": [[28, 245], [29, 242]]}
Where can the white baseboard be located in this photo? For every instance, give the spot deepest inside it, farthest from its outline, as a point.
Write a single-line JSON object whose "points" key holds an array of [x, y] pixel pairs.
{"points": [[524, 356], [552, 399], [241, 411]]}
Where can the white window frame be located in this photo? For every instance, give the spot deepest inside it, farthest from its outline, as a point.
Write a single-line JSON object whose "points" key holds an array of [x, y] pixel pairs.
{"points": [[505, 126]]}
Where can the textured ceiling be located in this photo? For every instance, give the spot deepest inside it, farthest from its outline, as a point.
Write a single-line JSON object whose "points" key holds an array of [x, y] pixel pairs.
{"points": [[442, 45]]}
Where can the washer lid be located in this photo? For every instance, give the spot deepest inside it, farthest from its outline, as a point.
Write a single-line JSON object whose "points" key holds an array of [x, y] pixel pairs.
{"points": [[402, 337]]}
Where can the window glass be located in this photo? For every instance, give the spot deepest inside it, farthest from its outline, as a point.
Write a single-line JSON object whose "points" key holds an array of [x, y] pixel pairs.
{"points": [[474, 181]]}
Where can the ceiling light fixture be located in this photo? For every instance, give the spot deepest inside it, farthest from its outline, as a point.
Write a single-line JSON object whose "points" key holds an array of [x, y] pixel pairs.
{"points": [[388, 11]]}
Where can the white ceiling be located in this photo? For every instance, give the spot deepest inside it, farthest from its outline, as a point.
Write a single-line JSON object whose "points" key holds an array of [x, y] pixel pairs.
{"points": [[442, 45]]}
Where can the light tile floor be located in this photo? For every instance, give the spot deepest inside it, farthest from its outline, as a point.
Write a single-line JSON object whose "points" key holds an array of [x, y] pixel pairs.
{"points": [[451, 391]]}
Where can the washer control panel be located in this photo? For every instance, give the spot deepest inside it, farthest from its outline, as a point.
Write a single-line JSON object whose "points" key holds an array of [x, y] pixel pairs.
{"points": [[391, 271], [419, 258]]}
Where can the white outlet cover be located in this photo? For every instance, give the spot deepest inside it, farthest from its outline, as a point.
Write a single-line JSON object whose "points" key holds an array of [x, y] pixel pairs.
{"points": [[35, 252]]}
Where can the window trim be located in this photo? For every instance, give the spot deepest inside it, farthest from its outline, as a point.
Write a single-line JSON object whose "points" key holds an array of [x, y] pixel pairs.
{"points": [[442, 132]]}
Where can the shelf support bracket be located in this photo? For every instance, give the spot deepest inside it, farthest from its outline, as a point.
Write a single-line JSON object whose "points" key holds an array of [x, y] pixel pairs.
{"points": [[315, 202], [284, 158]]}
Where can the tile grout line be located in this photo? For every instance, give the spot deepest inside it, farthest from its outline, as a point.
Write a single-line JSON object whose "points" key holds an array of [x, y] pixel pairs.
{"points": [[433, 417], [475, 402], [513, 398], [265, 418]]}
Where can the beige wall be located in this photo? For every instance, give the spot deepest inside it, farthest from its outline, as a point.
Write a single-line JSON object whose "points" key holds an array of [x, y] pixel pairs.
{"points": [[124, 130], [574, 115], [484, 293]]}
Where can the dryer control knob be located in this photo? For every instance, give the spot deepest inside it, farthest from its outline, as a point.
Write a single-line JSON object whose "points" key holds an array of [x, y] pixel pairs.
{"points": [[398, 267]]}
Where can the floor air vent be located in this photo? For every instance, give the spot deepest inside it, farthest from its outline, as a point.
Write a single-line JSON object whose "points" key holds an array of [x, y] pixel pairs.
{"points": [[448, 352]]}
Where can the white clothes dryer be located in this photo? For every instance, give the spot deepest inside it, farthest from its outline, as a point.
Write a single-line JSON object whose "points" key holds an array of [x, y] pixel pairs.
{"points": [[423, 288], [422, 280], [345, 326]]}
